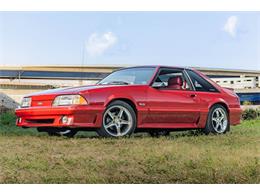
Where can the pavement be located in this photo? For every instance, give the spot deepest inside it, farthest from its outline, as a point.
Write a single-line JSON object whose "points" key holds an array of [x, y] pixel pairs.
{"points": [[250, 107]]}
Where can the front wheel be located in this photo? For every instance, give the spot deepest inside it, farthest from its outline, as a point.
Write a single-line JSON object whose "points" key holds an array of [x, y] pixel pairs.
{"points": [[218, 120], [119, 120]]}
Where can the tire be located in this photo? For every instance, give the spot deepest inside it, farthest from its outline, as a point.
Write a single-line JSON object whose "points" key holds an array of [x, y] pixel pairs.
{"points": [[157, 133], [217, 121], [58, 131], [118, 120]]}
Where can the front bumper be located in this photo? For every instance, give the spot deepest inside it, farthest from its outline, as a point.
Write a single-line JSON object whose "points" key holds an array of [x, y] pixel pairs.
{"points": [[78, 116]]}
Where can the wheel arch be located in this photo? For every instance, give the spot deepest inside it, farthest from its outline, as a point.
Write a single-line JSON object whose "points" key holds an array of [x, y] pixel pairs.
{"points": [[127, 100], [222, 103]]}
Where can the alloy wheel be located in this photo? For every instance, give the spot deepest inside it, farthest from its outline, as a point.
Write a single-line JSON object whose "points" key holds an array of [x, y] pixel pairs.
{"points": [[219, 120], [117, 121]]}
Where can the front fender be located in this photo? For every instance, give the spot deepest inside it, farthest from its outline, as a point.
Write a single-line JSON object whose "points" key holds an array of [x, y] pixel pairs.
{"points": [[114, 97]]}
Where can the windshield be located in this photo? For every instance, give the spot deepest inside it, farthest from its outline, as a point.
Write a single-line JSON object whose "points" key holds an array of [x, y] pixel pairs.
{"points": [[129, 76]]}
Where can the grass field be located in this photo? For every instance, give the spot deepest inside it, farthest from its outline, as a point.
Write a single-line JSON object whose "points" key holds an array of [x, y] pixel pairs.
{"points": [[27, 156]]}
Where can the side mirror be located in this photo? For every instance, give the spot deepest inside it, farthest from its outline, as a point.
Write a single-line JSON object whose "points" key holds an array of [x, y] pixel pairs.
{"points": [[157, 85]]}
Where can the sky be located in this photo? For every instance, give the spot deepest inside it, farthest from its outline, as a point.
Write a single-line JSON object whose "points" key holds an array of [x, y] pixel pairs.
{"points": [[207, 39]]}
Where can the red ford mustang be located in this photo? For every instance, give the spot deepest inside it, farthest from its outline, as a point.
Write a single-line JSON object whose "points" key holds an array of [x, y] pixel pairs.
{"points": [[154, 99]]}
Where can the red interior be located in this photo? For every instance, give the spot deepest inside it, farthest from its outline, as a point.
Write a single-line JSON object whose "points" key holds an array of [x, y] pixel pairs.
{"points": [[175, 83]]}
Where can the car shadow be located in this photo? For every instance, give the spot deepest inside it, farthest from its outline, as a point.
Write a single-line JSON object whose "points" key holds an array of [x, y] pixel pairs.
{"points": [[141, 135], [94, 135]]}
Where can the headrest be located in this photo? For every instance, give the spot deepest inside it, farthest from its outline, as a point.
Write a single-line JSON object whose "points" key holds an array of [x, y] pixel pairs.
{"points": [[175, 81]]}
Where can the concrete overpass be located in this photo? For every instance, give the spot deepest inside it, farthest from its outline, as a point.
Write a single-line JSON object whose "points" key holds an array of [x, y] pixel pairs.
{"points": [[101, 68], [16, 81]]}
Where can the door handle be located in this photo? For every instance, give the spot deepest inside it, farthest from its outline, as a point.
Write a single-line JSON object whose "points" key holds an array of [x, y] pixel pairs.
{"points": [[193, 95]]}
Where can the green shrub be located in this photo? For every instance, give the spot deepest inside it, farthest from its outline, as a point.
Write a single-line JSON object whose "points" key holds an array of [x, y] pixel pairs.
{"points": [[7, 118], [247, 103], [249, 114]]}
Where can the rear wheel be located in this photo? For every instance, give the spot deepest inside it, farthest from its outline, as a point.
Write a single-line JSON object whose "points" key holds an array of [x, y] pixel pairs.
{"points": [[218, 120], [58, 131], [119, 120]]}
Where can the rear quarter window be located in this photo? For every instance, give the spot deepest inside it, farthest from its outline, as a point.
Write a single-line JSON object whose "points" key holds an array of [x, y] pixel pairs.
{"points": [[201, 84]]}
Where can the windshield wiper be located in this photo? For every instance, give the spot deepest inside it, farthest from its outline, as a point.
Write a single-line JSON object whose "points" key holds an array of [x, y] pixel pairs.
{"points": [[117, 83]]}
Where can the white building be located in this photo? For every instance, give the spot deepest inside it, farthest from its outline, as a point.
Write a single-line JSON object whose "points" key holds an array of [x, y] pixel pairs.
{"points": [[237, 82]]}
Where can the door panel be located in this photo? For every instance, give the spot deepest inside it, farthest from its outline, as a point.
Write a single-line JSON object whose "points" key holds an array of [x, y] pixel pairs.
{"points": [[173, 107]]}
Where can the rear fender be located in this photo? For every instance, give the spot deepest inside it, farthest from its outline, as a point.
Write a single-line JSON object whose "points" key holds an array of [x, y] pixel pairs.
{"points": [[204, 113]]}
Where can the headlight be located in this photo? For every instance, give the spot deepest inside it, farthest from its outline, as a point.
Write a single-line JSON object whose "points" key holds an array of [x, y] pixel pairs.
{"points": [[65, 100], [26, 102]]}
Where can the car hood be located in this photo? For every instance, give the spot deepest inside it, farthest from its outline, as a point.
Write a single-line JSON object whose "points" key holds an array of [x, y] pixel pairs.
{"points": [[67, 90]]}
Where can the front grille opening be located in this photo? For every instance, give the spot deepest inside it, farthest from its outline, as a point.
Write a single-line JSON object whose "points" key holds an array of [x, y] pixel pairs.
{"points": [[40, 121]]}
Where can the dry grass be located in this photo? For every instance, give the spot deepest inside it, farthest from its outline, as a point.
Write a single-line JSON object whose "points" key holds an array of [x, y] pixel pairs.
{"points": [[30, 157]]}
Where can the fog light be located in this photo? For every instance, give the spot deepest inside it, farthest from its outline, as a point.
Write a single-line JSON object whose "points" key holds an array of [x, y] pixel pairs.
{"points": [[66, 120]]}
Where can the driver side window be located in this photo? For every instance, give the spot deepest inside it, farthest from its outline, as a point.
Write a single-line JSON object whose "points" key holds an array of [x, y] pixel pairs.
{"points": [[171, 79]]}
